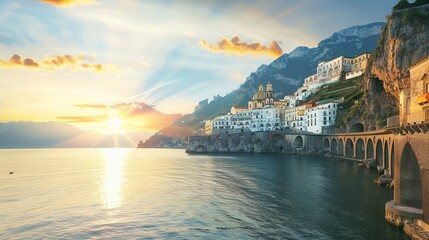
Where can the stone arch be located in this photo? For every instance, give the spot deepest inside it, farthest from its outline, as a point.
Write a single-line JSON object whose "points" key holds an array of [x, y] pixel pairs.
{"points": [[298, 142], [357, 127], [360, 149], [349, 148], [369, 149], [340, 147], [326, 143], [379, 153], [410, 182], [201, 148], [386, 155], [334, 150], [279, 143]]}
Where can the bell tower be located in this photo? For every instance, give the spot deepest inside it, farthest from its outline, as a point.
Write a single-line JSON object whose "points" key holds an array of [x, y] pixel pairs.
{"points": [[269, 95]]}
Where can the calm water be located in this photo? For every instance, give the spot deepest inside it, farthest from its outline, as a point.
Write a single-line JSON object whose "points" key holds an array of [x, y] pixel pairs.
{"points": [[152, 193]]}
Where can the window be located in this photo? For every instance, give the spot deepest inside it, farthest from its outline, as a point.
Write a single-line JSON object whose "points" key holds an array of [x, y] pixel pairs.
{"points": [[427, 86]]}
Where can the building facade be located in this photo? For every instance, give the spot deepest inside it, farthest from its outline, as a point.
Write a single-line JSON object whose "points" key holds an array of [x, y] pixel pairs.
{"points": [[330, 71], [358, 65], [321, 116], [414, 99]]}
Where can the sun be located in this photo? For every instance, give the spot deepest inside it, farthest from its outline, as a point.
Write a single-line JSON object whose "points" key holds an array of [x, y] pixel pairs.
{"points": [[114, 124]]}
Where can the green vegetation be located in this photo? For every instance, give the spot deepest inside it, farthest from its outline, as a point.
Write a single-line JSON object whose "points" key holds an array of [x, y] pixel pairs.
{"points": [[340, 89], [342, 76], [380, 44], [415, 16], [404, 4], [347, 90]]}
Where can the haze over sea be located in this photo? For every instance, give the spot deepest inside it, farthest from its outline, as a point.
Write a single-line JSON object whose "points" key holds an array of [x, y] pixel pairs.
{"points": [[161, 193]]}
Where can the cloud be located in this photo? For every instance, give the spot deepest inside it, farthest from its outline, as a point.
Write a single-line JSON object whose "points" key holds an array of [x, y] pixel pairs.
{"points": [[59, 61], [81, 119], [237, 47], [95, 106], [136, 115], [66, 3], [18, 60]]}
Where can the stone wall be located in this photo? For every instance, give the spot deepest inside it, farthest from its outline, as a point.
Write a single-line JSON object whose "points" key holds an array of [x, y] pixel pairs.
{"points": [[257, 142]]}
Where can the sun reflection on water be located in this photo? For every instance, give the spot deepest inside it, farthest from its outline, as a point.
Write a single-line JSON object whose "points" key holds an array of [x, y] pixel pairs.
{"points": [[111, 188]]}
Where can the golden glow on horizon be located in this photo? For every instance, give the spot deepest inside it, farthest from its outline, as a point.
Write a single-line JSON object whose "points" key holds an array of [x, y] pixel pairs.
{"points": [[114, 124], [111, 188]]}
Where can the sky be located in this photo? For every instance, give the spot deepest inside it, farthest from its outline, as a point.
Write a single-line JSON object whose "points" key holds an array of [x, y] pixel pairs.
{"points": [[91, 62]]}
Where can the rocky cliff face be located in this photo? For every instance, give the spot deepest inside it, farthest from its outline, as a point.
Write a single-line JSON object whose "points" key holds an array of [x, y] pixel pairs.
{"points": [[404, 41]]}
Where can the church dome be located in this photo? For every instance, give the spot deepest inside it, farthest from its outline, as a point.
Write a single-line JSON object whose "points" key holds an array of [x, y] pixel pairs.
{"points": [[260, 94]]}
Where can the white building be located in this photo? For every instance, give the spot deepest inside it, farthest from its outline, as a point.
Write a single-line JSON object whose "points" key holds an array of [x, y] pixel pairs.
{"points": [[321, 116], [221, 124], [329, 72], [303, 93], [262, 119], [265, 119]]}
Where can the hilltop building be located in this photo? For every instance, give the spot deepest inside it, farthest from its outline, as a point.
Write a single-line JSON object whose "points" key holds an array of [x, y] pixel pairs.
{"points": [[358, 65], [330, 72]]}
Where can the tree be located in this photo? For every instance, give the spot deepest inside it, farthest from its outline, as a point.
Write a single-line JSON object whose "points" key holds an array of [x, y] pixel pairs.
{"points": [[421, 2], [402, 4], [342, 76]]}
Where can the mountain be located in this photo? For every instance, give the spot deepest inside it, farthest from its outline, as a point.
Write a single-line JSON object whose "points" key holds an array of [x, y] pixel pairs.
{"points": [[56, 134], [286, 73]]}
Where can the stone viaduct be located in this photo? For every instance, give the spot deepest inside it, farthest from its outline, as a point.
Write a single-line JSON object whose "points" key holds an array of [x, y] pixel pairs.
{"points": [[402, 152]]}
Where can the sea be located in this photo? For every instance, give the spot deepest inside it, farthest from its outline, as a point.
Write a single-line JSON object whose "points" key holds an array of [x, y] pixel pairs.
{"points": [[120, 193]]}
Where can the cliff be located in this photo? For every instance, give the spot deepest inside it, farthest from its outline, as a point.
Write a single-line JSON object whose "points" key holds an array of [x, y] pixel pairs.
{"points": [[404, 41]]}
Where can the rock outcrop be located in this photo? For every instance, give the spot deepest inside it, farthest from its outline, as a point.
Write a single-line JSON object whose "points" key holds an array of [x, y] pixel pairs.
{"points": [[403, 42]]}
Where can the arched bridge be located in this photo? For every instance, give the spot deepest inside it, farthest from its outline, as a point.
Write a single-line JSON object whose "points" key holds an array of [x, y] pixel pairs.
{"points": [[403, 153]]}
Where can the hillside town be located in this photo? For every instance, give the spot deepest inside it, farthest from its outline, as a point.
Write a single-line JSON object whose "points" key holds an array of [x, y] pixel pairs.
{"points": [[264, 113]]}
